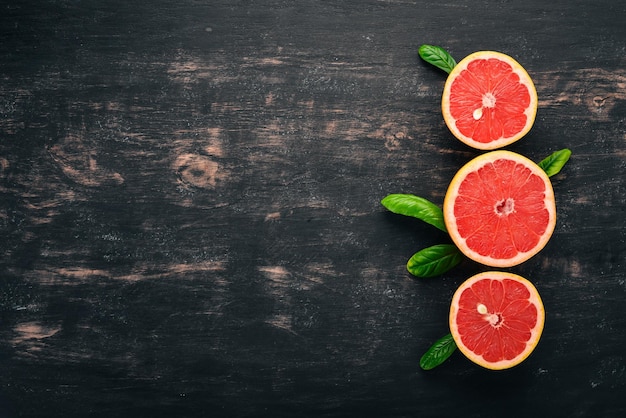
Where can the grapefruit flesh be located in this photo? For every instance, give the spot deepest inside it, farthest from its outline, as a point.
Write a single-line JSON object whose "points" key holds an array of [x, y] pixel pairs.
{"points": [[489, 100], [496, 319], [499, 209]]}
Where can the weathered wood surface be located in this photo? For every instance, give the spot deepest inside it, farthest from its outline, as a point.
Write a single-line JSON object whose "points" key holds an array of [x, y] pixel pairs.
{"points": [[190, 209]]}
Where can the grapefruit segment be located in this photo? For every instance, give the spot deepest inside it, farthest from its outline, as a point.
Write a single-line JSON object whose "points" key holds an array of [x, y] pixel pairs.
{"points": [[489, 100], [496, 319], [499, 209]]}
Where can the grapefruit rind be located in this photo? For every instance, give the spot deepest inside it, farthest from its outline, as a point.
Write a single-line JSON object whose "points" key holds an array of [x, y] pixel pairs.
{"points": [[535, 332], [530, 111], [453, 192]]}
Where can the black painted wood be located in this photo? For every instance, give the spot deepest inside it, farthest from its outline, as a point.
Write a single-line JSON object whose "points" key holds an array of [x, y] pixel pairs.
{"points": [[190, 217]]}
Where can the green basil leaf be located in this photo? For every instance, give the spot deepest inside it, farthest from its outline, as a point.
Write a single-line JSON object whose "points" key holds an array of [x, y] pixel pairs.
{"points": [[416, 207], [438, 352], [438, 57], [435, 260], [555, 162]]}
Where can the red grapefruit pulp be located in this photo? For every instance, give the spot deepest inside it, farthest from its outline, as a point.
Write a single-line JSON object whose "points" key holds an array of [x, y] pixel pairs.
{"points": [[499, 209], [496, 319], [489, 100]]}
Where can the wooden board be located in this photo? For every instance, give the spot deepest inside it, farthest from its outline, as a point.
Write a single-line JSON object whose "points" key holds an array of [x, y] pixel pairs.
{"points": [[190, 208]]}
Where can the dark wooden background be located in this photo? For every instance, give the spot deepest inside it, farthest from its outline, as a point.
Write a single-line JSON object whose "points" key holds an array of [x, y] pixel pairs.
{"points": [[190, 216]]}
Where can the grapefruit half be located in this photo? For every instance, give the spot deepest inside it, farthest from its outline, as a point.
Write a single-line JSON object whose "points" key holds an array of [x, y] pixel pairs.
{"points": [[489, 100], [496, 319], [499, 209]]}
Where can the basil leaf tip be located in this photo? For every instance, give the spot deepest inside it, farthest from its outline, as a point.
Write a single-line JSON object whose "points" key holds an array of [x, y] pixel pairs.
{"points": [[437, 56], [439, 352], [416, 207], [555, 161], [434, 261]]}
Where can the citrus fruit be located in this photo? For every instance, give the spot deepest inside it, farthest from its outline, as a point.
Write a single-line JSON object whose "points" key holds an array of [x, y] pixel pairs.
{"points": [[499, 209], [496, 319], [489, 100]]}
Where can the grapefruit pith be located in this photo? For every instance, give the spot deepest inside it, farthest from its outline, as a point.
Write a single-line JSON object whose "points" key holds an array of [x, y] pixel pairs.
{"points": [[496, 319], [499, 209], [489, 100]]}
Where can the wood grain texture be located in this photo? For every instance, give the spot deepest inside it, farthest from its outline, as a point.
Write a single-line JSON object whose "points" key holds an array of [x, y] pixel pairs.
{"points": [[189, 205]]}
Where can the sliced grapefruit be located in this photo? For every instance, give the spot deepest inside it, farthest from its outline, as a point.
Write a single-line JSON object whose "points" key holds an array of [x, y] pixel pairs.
{"points": [[499, 209], [489, 100], [496, 319]]}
